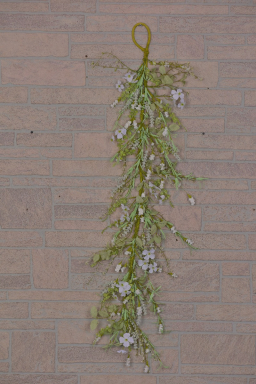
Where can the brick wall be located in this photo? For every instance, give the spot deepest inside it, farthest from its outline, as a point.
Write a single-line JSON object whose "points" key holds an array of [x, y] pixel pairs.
{"points": [[56, 180]]}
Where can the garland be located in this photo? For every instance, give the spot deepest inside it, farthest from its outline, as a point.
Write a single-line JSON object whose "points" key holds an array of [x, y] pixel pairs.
{"points": [[148, 137]]}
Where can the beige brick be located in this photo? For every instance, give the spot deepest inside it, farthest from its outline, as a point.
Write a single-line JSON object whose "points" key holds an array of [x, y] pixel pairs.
{"points": [[84, 168], [14, 310], [21, 239], [48, 295], [252, 242], [209, 155], [44, 139], [233, 53], [211, 349], [25, 208], [26, 324], [251, 39], [72, 96], [4, 367], [33, 44], [220, 370], [254, 277], [204, 125], [88, 6], [217, 141], [24, 6], [80, 195], [237, 69], [33, 351], [24, 167], [81, 124], [76, 239], [6, 138], [13, 94], [250, 98], [233, 213], [218, 255], [95, 37], [43, 72], [190, 47], [225, 39], [207, 24], [49, 23], [235, 269], [40, 379], [118, 23], [91, 211], [50, 269], [82, 110], [214, 96], [200, 380], [94, 145], [35, 118], [115, 379], [242, 10], [4, 345], [183, 218], [15, 282], [236, 290], [225, 312], [59, 310]]}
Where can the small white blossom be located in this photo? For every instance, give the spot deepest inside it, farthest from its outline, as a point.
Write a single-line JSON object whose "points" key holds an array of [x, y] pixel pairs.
{"points": [[153, 267], [113, 138], [151, 157], [127, 253], [128, 362], [142, 220], [166, 114], [135, 125], [138, 292], [129, 77], [158, 310], [147, 350], [143, 194], [159, 269], [146, 369], [161, 184], [177, 94], [127, 125], [190, 242], [181, 105], [119, 86], [148, 254], [173, 229], [139, 311], [161, 328], [126, 340], [148, 174], [122, 351], [143, 264], [192, 200], [120, 133], [132, 106], [138, 108], [174, 275], [141, 211], [118, 267], [162, 166], [125, 209], [114, 103], [165, 131], [122, 269]]}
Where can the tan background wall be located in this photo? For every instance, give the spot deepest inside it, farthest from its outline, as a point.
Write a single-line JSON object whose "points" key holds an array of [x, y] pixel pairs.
{"points": [[56, 180]]}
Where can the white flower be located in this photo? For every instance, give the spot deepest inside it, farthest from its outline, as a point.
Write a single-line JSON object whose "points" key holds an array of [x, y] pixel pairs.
{"points": [[146, 369], [151, 157], [127, 253], [142, 219], [166, 114], [148, 254], [128, 362], [120, 133], [152, 267], [139, 311], [138, 107], [148, 174], [127, 125], [174, 275], [161, 184], [132, 106], [166, 64], [129, 77], [125, 292], [126, 340], [162, 197], [125, 209], [173, 229], [113, 138], [165, 131], [159, 269], [138, 292], [162, 166], [161, 328], [143, 264], [125, 300], [190, 242], [122, 351], [158, 310], [118, 267], [143, 194], [181, 105], [141, 211], [135, 124], [122, 269], [192, 200], [147, 350], [177, 94], [119, 86], [123, 286], [114, 103]]}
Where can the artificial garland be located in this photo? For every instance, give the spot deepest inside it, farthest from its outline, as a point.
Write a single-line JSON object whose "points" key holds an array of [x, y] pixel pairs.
{"points": [[148, 136]]}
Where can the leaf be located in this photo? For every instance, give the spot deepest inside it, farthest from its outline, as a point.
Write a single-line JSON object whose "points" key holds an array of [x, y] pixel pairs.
{"points": [[153, 229], [162, 70], [94, 311], [157, 239], [139, 199], [153, 107], [174, 127], [96, 258], [162, 224], [103, 313], [168, 80], [94, 324], [139, 242]]}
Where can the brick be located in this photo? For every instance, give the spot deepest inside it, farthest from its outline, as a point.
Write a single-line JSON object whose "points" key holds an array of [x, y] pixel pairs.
{"points": [[236, 290], [81, 124], [118, 23], [43, 72], [84, 168], [233, 53], [245, 156], [170, 359], [25, 208], [190, 47], [33, 44], [24, 167], [230, 227], [21, 239], [13, 94], [237, 83], [88, 6], [252, 242], [50, 268], [4, 367], [254, 278], [187, 219], [192, 277], [225, 312], [79, 224], [44, 139], [72, 96], [207, 24], [6, 138], [198, 326], [250, 98], [204, 111], [35, 153], [230, 213], [74, 332], [237, 69], [219, 170], [14, 310], [225, 39], [4, 345], [97, 182], [80, 195], [80, 51], [245, 328], [120, 38], [59, 310], [115, 379], [209, 155], [26, 324], [225, 142], [91, 211], [242, 10], [25, 6], [210, 349], [48, 295], [76, 239], [15, 282], [236, 269], [40, 379], [82, 110], [220, 369], [240, 117], [251, 39], [35, 118], [214, 96], [49, 23], [94, 145], [200, 380], [204, 125], [219, 255], [33, 351]]}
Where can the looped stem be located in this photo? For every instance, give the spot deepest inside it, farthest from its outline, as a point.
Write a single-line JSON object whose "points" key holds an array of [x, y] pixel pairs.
{"points": [[146, 49]]}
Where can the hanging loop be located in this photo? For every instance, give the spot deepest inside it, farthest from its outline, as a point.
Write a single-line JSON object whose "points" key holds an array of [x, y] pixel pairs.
{"points": [[146, 49]]}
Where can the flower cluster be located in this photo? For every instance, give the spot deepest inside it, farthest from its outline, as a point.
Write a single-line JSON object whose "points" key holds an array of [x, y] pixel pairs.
{"points": [[147, 263], [178, 97]]}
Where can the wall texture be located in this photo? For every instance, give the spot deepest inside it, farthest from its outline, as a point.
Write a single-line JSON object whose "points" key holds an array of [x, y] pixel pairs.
{"points": [[56, 180]]}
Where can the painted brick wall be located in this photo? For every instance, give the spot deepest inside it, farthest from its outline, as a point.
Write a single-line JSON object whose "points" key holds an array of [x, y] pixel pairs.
{"points": [[56, 180]]}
